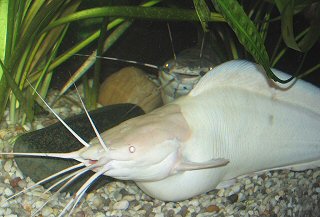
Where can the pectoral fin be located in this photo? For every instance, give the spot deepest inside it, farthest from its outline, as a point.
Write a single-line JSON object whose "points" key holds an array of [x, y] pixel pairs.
{"points": [[187, 165]]}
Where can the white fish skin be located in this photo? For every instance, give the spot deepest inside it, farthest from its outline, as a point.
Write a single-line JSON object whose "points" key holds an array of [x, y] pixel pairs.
{"points": [[236, 113]]}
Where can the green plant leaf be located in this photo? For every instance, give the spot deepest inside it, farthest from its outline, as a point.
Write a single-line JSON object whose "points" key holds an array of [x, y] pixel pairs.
{"points": [[287, 9], [4, 5], [45, 85], [287, 23], [91, 100], [313, 34], [247, 33], [17, 92], [6, 31], [203, 13], [41, 20], [136, 12], [278, 54]]}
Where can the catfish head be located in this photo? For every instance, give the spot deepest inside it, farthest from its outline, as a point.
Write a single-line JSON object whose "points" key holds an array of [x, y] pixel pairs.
{"points": [[145, 148]]}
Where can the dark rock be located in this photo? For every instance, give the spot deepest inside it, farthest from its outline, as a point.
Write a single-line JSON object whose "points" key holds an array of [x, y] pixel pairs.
{"points": [[56, 138], [232, 198]]}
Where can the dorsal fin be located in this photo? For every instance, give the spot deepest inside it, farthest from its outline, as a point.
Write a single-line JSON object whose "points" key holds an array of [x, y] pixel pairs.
{"points": [[249, 76]]}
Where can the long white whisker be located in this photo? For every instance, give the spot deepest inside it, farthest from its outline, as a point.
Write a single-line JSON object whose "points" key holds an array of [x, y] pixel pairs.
{"points": [[77, 200], [44, 180], [74, 175], [60, 119], [118, 59], [202, 44], [83, 188], [91, 122], [90, 181], [171, 42], [69, 155]]}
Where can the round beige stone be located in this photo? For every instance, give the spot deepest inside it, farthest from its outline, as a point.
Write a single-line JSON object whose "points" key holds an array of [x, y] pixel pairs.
{"points": [[130, 85]]}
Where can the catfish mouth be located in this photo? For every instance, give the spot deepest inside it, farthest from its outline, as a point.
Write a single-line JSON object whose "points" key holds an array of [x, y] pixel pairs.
{"points": [[186, 76], [139, 170]]}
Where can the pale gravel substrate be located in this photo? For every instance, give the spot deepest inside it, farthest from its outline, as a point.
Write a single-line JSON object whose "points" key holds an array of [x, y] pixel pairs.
{"points": [[280, 193]]}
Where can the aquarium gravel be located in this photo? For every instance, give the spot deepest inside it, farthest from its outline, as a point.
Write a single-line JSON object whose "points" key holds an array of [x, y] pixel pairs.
{"points": [[277, 193]]}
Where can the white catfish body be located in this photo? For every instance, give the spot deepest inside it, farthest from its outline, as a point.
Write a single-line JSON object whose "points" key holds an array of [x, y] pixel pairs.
{"points": [[235, 113], [234, 122]]}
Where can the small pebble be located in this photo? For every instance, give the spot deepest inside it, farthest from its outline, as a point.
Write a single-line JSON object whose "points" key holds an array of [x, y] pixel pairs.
{"points": [[27, 127], [90, 196], [316, 174], [276, 209], [14, 182], [230, 209], [38, 204], [8, 192], [80, 214], [99, 214], [184, 211], [194, 203], [97, 202], [212, 208], [232, 198], [236, 188], [7, 166], [46, 211], [121, 205], [129, 197]]}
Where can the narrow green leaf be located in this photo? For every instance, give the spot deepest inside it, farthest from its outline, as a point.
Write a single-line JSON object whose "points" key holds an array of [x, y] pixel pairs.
{"points": [[203, 13], [3, 30], [136, 12], [17, 92], [313, 34], [45, 85], [97, 66], [10, 30], [42, 19], [287, 9], [309, 71], [287, 12], [279, 54], [247, 33], [4, 11], [31, 13]]}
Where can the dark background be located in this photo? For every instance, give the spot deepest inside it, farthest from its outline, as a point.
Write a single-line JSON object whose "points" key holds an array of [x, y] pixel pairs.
{"points": [[148, 42]]}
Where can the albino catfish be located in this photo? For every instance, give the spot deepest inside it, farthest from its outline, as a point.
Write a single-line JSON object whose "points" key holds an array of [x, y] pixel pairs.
{"points": [[234, 122]]}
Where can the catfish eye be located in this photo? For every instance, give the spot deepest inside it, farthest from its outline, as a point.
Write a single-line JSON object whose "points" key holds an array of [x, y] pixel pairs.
{"points": [[132, 149], [166, 68]]}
